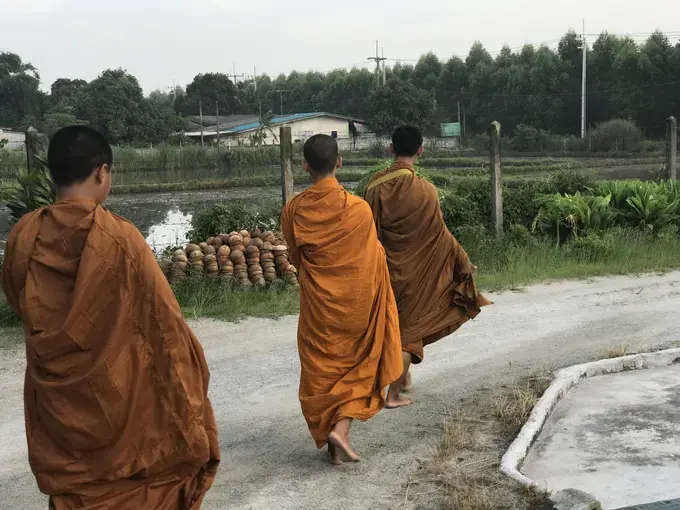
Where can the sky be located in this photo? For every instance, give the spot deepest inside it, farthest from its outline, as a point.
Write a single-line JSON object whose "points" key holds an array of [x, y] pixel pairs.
{"points": [[168, 42]]}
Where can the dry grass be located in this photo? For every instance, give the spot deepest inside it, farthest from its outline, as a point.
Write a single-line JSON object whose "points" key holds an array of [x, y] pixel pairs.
{"points": [[464, 471], [617, 352]]}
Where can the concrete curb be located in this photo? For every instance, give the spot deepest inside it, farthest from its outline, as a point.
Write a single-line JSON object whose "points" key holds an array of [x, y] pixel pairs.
{"points": [[565, 380]]}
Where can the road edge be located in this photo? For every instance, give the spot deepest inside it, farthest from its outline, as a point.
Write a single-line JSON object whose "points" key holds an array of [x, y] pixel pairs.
{"points": [[565, 380]]}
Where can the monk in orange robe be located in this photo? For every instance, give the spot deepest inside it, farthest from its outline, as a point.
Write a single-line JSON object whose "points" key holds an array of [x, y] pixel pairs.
{"points": [[116, 406], [348, 331], [431, 274]]}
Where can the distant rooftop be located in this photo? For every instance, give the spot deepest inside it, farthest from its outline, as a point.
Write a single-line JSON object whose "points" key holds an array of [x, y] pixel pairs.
{"points": [[240, 123]]}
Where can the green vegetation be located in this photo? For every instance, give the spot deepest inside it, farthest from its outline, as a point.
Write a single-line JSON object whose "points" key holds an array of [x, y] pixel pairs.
{"points": [[205, 298], [534, 93]]}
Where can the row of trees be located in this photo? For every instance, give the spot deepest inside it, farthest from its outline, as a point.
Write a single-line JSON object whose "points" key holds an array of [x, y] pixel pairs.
{"points": [[535, 86]]}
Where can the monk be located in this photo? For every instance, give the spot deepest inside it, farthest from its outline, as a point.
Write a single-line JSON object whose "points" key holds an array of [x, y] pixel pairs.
{"points": [[348, 331], [116, 406], [431, 274]]}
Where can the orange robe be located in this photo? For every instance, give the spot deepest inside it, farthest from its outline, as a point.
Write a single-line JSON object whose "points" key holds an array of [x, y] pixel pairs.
{"points": [[348, 331], [116, 407], [431, 274]]}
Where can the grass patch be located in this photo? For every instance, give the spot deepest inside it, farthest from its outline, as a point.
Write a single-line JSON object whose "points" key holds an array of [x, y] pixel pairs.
{"points": [[209, 298], [464, 472], [514, 263]]}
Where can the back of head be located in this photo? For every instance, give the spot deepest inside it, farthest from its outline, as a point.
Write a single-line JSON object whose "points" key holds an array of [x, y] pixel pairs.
{"points": [[75, 152], [407, 141], [321, 154]]}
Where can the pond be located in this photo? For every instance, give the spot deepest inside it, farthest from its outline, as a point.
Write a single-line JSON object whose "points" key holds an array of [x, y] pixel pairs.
{"points": [[165, 218]]}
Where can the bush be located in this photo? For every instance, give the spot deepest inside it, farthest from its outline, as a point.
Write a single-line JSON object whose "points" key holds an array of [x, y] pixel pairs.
{"points": [[566, 216], [222, 219], [616, 135], [591, 248], [530, 139]]}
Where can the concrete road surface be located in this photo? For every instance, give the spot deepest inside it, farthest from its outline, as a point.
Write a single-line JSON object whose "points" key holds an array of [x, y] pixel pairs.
{"points": [[268, 457]]}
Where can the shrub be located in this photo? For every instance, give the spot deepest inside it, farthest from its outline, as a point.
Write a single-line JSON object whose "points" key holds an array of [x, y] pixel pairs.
{"points": [[530, 139], [222, 219], [616, 135], [591, 248], [565, 216]]}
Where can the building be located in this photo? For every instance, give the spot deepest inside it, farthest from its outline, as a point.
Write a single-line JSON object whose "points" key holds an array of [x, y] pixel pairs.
{"points": [[235, 130], [15, 140]]}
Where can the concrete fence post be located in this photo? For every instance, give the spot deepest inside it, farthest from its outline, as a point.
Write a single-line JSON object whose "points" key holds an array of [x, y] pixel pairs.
{"points": [[287, 185], [496, 178], [32, 148], [672, 148]]}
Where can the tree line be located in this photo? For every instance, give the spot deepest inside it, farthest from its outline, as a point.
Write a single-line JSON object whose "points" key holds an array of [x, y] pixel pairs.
{"points": [[533, 86]]}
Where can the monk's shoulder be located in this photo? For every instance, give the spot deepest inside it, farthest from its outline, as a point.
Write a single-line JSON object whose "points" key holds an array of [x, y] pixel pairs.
{"points": [[119, 229], [426, 185], [359, 205]]}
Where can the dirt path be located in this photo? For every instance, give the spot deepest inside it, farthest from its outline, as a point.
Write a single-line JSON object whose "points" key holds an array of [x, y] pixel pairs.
{"points": [[269, 460]]}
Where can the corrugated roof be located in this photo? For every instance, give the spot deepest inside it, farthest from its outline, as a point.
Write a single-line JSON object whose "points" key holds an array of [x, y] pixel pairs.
{"points": [[243, 123]]}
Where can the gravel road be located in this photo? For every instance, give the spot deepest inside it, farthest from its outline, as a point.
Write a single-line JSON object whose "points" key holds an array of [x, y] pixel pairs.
{"points": [[268, 457]]}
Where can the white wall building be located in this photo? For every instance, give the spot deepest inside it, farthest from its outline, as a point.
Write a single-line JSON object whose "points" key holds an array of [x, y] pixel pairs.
{"points": [[241, 130], [15, 140]]}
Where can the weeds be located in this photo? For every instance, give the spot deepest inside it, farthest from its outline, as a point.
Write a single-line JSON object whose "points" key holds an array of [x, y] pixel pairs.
{"points": [[465, 467], [617, 352]]}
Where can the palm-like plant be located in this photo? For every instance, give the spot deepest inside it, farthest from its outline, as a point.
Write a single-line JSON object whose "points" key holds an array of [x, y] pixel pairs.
{"points": [[571, 215], [34, 189], [651, 209]]}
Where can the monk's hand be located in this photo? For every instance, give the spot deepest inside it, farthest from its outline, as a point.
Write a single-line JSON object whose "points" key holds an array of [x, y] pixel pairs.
{"points": [[474, 269]]}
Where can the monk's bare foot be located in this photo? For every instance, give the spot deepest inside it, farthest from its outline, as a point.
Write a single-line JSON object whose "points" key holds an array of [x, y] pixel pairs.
{"points": [[408, 383], [335, 455], [396, 403], [341, 445]]}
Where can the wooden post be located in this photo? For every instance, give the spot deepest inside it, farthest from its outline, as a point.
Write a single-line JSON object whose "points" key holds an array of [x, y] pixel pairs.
{"points": [[32, 148], [286, 144], [496, 178], [672, 148]]}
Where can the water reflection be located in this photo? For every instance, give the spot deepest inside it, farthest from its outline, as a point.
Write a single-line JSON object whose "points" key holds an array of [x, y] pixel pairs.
{"points": [[172, 231]]}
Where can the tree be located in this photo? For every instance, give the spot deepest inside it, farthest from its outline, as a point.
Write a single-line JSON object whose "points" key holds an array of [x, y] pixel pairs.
{"points": [[210, 90], [399, 103], [21, 101]]}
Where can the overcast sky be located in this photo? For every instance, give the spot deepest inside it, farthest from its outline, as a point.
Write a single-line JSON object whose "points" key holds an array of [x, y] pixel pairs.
{"points": [[161, 41]]}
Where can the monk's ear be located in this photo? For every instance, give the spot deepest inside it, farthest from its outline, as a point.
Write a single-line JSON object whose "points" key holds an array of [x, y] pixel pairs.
{"points": [[101, 173], [420, 151], [391, 148], [338, 165], [305, 166]]}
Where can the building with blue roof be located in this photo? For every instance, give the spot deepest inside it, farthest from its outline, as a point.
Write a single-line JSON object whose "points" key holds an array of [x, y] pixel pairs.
{"points": [[235, 130]]}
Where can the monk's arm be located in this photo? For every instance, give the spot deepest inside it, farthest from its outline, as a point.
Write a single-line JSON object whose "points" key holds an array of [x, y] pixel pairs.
{"points": [[289, 235], [8, 283], [160, 303]]}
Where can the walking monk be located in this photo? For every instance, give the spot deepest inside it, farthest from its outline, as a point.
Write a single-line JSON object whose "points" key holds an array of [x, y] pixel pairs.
{"points": [[431, 274], [348, 332], [115, 395]]}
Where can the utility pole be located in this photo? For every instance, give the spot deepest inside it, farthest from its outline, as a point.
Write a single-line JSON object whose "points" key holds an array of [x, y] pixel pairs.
{"points": [[200, 114], [257, 97], [281, 91], [383, 66], [378, 59], [583, 82], [234, 75]]}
